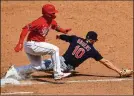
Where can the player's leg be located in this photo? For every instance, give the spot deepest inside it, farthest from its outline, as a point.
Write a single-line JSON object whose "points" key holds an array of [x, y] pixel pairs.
{"points": [[35, 59], [23, 72], [45, 65], [43, 48], [63, 65]]}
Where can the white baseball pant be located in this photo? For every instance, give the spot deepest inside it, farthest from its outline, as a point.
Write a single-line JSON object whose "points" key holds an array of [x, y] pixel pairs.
{"points": [[35, 50]]}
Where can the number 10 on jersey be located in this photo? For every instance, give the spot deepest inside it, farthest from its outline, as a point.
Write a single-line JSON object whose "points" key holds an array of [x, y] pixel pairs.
{"points": [[78, 52]]}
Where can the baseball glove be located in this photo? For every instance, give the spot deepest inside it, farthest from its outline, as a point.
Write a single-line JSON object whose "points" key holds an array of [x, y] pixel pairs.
{"points": [[126, 73]]}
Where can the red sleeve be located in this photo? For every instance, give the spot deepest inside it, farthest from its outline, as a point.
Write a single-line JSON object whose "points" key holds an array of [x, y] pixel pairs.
{"points": [[23, 35], [31, 26], [54, 25], [57, 28]]}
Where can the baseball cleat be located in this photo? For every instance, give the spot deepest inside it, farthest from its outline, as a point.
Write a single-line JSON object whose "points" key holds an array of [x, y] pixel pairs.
{"points": [[12, 73], [58, 77]]}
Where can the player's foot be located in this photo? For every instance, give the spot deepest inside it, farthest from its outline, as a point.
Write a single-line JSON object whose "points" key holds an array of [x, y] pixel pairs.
{"points": [[12, 73], [58, 77]]}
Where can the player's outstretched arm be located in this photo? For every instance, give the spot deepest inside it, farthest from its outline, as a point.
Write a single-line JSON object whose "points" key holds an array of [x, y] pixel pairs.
{"points": [[122, 73], [23, 34], [110, 65], [66, 38], [56, 27], [65, 31]]}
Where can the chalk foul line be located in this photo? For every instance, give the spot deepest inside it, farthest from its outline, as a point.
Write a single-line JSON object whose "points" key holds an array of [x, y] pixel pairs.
{"points": [[4, 82], [11, 93], [79, 81], [71, 81], [100, 80]]}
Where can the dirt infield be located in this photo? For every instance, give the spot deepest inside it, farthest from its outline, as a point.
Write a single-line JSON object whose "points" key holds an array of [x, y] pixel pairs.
{"points": [[113, 20]]}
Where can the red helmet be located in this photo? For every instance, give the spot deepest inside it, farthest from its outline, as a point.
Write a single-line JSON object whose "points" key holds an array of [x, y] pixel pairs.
{"points": [[48, 9]]}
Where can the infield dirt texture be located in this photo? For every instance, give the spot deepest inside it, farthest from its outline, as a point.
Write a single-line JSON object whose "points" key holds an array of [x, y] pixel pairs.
{"points": [[112, 20]]}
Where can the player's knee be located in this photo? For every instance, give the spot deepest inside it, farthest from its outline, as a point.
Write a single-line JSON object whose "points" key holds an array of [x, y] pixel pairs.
{"points": [[56, 49]]}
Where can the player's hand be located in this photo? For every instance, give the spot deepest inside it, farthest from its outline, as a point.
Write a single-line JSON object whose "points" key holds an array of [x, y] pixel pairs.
{"points": [[67, 30], [18, 47], [57, 36]]}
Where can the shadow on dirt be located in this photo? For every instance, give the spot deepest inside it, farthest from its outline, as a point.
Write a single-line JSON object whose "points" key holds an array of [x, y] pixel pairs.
{"points": [[75, 74], [92, 75], [48, 81]]}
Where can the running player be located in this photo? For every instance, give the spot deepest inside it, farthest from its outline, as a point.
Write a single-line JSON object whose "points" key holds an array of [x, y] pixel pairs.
{"points": [[35, 46], [78, 51]]}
